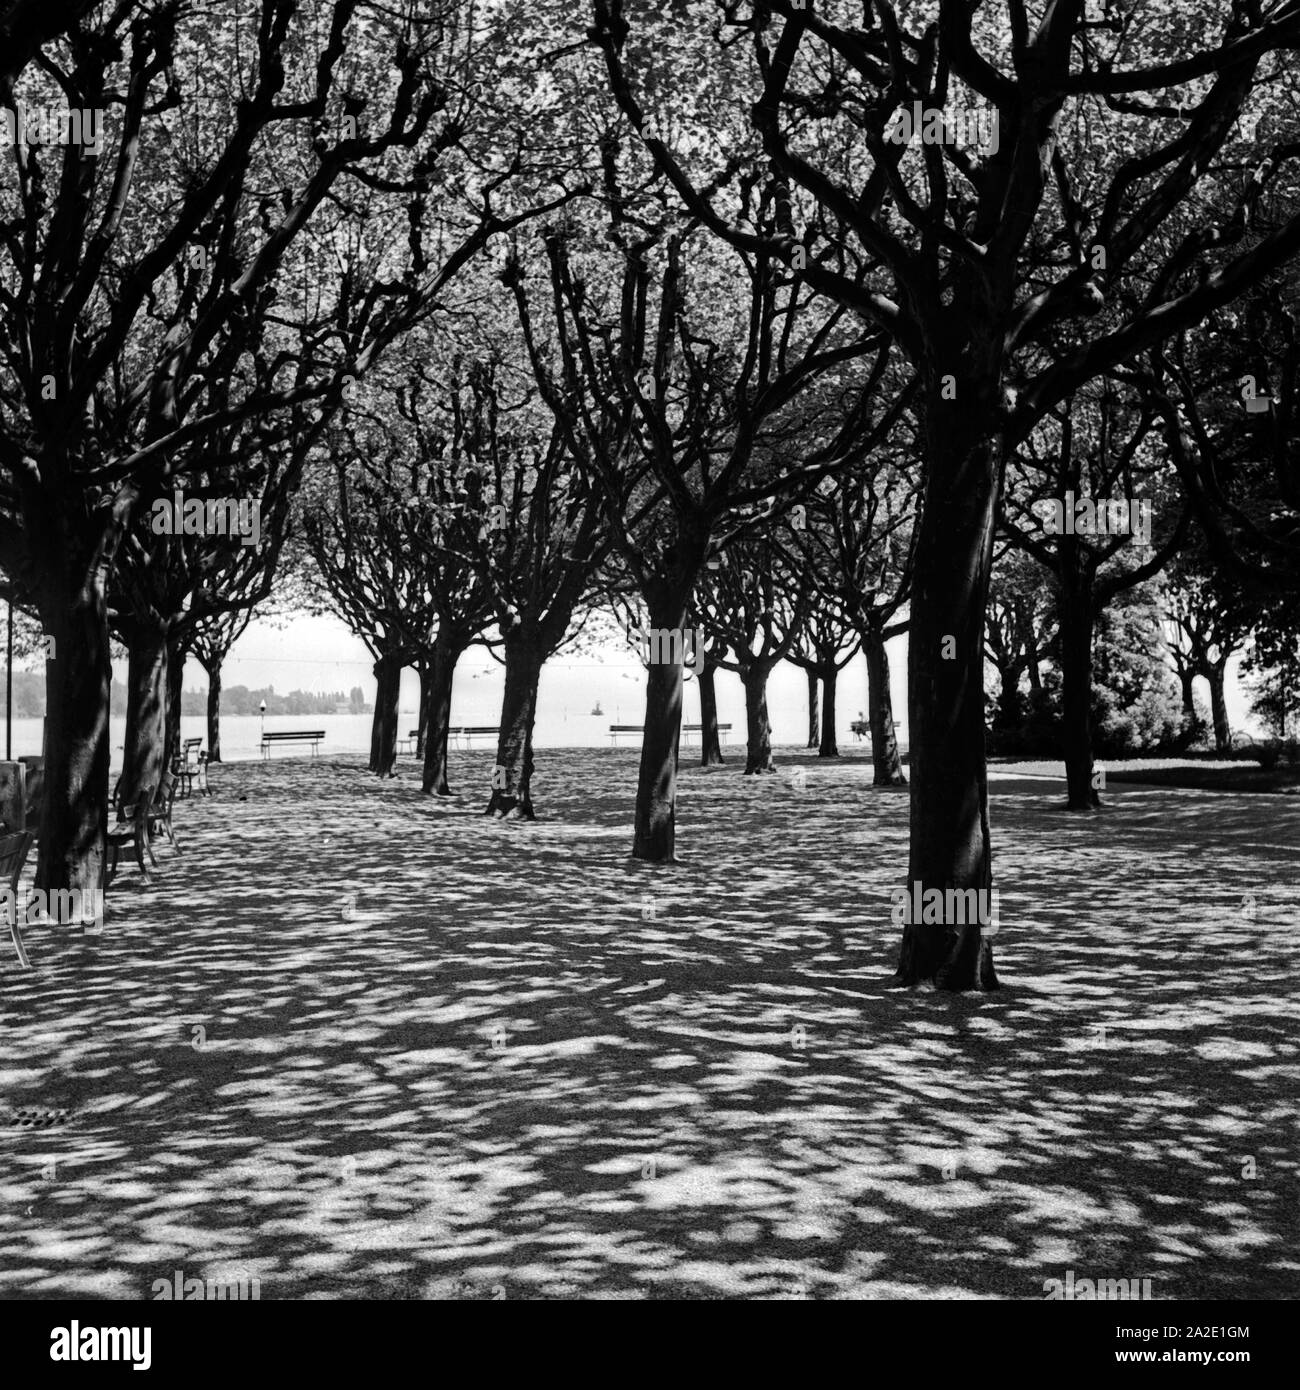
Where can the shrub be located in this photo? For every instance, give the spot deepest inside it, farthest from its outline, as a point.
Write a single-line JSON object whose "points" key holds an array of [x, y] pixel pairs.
{"points": [[1269, 754]]}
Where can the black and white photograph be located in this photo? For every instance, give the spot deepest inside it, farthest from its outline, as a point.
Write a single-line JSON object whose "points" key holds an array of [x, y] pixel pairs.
{"points": [[652, 654]]}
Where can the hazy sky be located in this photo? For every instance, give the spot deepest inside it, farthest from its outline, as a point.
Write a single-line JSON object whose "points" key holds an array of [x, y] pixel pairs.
{"points": [[320, 654]]}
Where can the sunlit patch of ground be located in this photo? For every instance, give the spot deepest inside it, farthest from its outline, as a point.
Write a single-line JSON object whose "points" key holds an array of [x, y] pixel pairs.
{"points": [[356, 1042], [1242, 774]]}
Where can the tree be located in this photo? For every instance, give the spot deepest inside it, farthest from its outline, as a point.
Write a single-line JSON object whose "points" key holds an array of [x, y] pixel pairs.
{"points": [[829, 641], [684, 382], [356, 526], [133, 282], [211, 644], [710, 653], [1136, 706], [1014, 640], [200, 117], [1074, 506], [757, 605], [1208, 616], [1273, 659], [540, 541], [814, 717], [987, 267], [199, 557], [858, 544]]}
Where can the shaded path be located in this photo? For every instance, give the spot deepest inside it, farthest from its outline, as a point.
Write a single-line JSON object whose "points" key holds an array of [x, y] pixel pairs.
{"points": [[505, 1071]]}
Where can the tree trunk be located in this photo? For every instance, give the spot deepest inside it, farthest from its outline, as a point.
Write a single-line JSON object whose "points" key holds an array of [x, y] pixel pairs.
{"points": [[175, 678], [214, 711], [1219, 706], [812, 707], [1077, 620], [1011, 707], [710, 742], [383, 728], [1031, 652], [1187, 679], [512, 775], [442, 672], [654, 837], [758, 727], [146, 710], [1035, 675], [887, 765], [829, 748], [422, 722], [949, 840], [75, 748]]}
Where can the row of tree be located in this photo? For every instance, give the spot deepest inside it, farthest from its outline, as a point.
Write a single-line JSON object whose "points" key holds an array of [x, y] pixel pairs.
{"points": [[505, 319]]}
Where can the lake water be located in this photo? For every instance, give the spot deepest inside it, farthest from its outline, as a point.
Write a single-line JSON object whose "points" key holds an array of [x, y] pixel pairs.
{"points": [[564, 720]]}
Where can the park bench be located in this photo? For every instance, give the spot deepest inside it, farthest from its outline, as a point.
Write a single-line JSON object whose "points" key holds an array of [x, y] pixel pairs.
{"points": [[616, 729], [13, 855], [313, 737], [160, 813], [35, 780], [455, 732], [472, 731], [130, 828], [723, 730], [190, 767]]}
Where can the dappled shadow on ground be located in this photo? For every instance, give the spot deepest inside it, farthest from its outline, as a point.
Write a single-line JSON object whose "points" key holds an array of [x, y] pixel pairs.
{"points": [[359, 1042]]}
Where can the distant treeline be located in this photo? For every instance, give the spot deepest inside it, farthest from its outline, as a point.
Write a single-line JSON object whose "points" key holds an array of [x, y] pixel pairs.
{"points": [[29, 694], [239, 699], [29, 699]]}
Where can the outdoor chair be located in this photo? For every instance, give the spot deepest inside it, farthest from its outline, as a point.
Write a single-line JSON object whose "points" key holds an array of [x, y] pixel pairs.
{"points": [[13, 855], [190, 766], [160, 813], [131, 828]]}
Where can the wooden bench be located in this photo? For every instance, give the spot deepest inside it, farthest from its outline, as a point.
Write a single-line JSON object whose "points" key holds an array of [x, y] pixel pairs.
{"points": [[13, 855], [35, 780], [160, 813], [616, 729], [472, 731], [130, 828], [190, 767], [455, 732], [314, 737], [723, 730]]}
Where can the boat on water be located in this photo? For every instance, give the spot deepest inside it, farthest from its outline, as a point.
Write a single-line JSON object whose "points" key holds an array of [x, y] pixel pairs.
{"points": [[598, 709]]}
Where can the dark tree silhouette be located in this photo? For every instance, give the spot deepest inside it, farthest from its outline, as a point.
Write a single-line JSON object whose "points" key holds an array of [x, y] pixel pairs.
{"points": [[679, 414], [758, 603], [1098, 450], [98, 404], [1010, 272]]}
